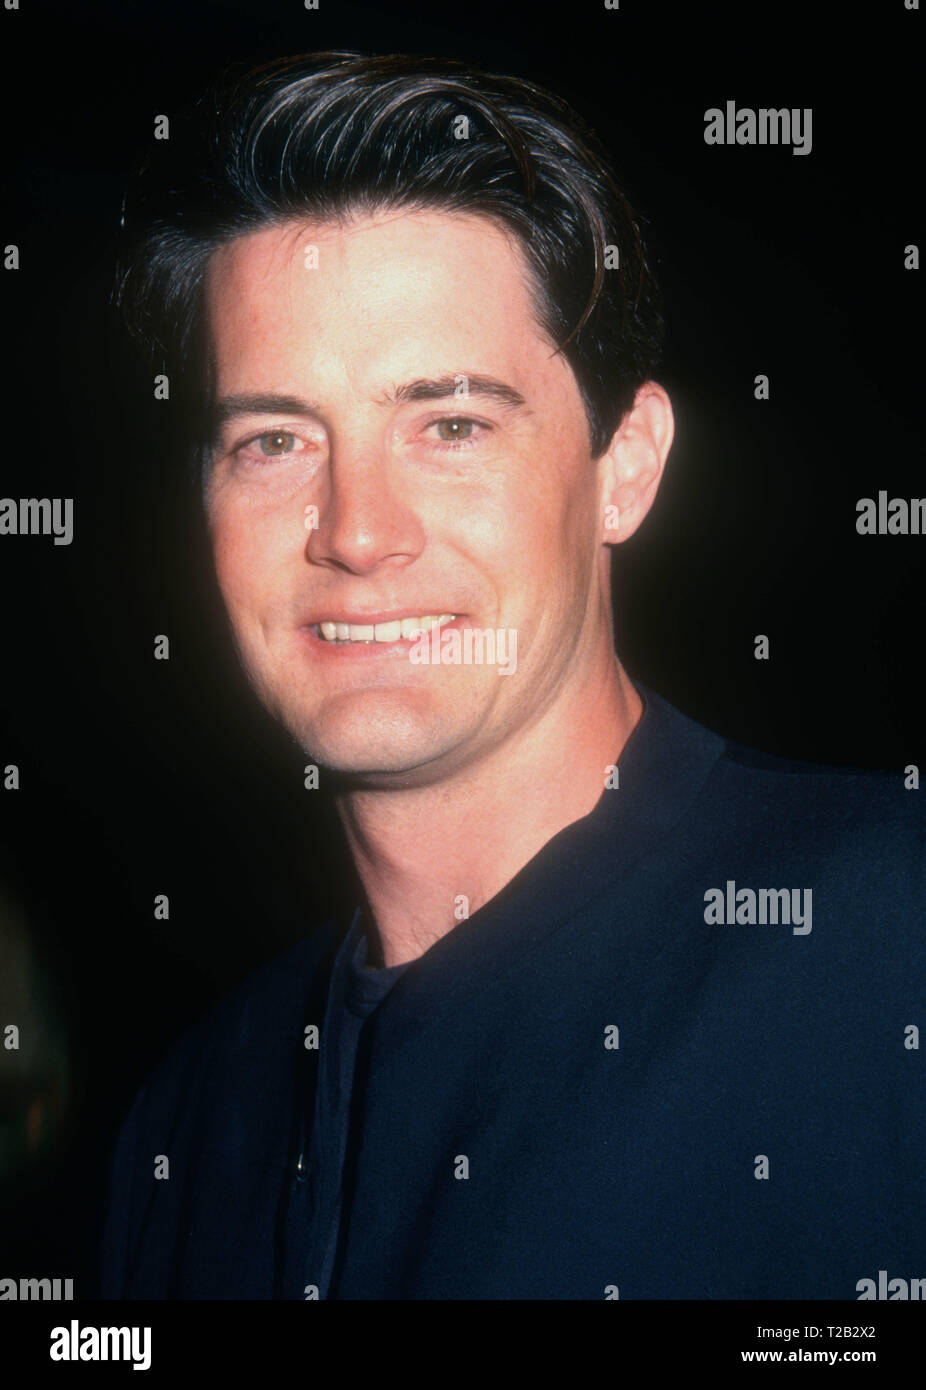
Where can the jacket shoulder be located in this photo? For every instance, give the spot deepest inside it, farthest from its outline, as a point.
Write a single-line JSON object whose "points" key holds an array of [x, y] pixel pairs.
{"points": [[222, 1082], [269, 1004]]}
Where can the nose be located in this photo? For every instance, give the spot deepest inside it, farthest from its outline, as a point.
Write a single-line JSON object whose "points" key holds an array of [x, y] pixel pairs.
{"points": [[364, 515]]}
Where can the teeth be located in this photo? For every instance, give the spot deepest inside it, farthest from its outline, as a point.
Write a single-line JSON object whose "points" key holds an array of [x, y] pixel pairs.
{"points": [[383, 632]]}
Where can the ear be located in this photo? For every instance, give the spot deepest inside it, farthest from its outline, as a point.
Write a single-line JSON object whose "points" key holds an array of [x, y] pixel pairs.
{"points": [[632, 465]]}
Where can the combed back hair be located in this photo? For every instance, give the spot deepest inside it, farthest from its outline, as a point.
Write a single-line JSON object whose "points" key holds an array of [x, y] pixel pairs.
{"points": [[335, 134]]}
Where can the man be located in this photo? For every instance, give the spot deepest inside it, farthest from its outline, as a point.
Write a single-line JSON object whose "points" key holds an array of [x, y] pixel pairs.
{"points": [[625, 1011]]}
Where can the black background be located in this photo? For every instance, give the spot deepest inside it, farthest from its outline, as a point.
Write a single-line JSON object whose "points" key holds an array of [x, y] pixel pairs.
{"points": [[142, 777]]}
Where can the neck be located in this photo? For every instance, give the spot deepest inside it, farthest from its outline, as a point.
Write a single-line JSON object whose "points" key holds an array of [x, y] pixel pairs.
{"points": [[428, 856]]}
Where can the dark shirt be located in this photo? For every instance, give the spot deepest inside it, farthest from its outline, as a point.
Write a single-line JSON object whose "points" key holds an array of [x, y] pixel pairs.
{"points": [[357, 988], [598, 1082]]}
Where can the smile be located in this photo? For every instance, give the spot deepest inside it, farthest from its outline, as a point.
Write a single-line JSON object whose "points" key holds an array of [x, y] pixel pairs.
{"points": [[398, 630]]}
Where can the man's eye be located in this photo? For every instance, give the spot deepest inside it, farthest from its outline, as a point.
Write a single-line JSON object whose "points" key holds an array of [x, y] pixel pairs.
{"points": [[456, 429], [272, 444], [277, 442]]}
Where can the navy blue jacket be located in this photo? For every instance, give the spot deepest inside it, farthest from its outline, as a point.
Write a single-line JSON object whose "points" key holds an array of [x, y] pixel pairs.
{"points": [[598, 1085]]}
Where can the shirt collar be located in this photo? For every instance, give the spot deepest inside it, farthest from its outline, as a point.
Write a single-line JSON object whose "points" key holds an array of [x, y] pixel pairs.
{"points": [[661, 770]]}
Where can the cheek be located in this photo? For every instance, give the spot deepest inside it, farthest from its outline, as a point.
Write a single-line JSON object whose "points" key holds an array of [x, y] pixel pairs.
{"points": [[243, 560], [555, 533], [532, 544], [561, 556], [581, 537]]}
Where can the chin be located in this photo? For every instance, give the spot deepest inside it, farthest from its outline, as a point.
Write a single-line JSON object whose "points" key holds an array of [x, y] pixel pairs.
{"points": [[371, 768], [372, 742]]}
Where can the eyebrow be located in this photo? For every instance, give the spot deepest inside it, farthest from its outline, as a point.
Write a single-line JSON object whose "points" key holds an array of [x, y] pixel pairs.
{"points": [[438, 388], [422, 389]]}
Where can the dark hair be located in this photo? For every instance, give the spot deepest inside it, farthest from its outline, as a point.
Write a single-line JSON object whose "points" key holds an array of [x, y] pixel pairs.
{"points": [[330, 133]]}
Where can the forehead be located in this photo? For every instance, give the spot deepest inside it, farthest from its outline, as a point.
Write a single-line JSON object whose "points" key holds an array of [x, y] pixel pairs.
{"points": [[393, 294]]}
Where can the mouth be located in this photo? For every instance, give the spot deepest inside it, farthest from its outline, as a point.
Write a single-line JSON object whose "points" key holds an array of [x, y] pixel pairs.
{"points": [[338, 633], [381, 635]]}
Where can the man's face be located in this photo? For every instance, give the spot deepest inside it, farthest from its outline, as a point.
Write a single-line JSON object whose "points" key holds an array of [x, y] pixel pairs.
{"points": [[485, 506]]}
